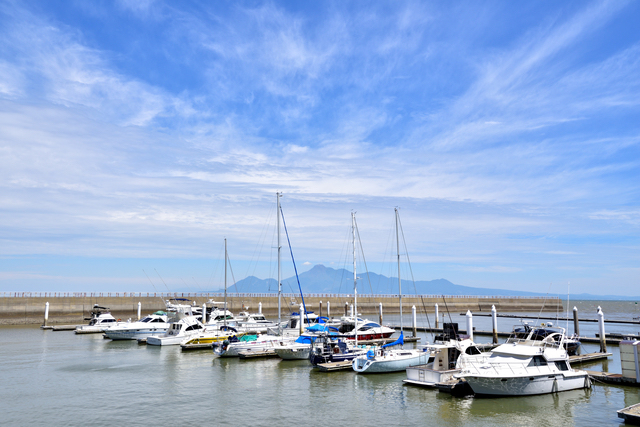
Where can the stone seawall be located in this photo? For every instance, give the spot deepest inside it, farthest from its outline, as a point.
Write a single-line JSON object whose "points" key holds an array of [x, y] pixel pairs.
{"points": [[63, 309]]}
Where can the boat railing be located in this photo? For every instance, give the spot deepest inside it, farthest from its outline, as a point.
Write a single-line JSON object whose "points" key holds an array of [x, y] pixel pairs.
{"points": [[534, 343], [480, 365]]}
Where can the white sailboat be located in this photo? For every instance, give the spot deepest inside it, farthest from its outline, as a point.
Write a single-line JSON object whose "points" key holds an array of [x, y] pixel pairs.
{"points": [[392, 360]]}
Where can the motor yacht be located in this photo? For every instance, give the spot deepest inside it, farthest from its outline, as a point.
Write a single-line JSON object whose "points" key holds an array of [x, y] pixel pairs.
{"points": [[152, 325], [256, 343], [367, 329], [101, 319], [523, 366]]}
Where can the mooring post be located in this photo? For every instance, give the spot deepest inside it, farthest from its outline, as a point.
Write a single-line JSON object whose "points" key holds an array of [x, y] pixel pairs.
{"points": [[329, 309], [204, 313], [576, 324], [260, 307], [603, 341], [380, 314], [415, 321], [352, 313], [320, 309], [437, 319], [46, 313], [494, 319], [139, 309], [346, 309], [302, 316], [470, 325]]}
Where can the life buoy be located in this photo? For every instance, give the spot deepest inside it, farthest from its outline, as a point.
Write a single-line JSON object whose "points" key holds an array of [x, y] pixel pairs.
{"points": [[336, 350], [118, 320]]}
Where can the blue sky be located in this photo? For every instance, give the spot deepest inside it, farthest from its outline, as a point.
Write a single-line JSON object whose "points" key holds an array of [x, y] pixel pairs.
{"points": [[136, 135]]}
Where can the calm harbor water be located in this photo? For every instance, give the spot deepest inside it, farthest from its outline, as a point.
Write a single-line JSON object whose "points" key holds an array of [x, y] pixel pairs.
{"points": [[59, 378]]}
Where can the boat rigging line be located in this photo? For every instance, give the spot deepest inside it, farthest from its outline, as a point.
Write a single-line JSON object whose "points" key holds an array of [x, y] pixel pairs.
{"points": [[304, 306]]}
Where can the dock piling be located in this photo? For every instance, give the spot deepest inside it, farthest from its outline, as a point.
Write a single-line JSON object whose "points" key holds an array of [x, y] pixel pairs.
{"points": [[494, 321], [415, 322], [470, 325], [329, 309], [139, 309], [603, 341], [260, 307], [320, 309], [380, 314], [204, 313], [46, 313], [302, 317], [437, 319], [576, 324]]}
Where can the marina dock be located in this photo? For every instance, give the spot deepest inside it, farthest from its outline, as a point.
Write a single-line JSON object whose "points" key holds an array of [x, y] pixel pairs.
{"points": [[588, 357], [615, 379], [61, 327], [630, 414], [335, 366]]}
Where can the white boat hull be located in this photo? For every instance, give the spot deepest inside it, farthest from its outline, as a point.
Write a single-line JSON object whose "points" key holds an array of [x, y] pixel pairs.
{"points": [[394, 362], [291, 352], [528, 385], [426, 376], [134, 334], [233, 349]]}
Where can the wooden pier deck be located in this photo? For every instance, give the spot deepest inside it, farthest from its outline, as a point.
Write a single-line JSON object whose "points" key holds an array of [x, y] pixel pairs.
{"points": [[61, 327], [630, 414], [196, 346], [588, 357], [615, 379], [335, 366]]}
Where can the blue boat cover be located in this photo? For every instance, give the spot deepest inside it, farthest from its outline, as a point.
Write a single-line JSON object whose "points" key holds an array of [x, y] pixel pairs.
{"points": [[317, 328], [399, 341], [305, 339]]}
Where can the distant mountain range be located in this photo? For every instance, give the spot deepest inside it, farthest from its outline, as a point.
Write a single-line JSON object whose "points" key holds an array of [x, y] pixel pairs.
{"points": [[326, 280]]}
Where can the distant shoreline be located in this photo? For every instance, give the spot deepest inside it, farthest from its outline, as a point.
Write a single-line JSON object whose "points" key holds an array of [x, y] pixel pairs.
{"points": [[73, 308]]}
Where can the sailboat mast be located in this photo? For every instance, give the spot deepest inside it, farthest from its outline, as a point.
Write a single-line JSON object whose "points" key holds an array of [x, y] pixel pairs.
{"points": [[225, 284], [355, 277], [399, 281], [278, 195]]}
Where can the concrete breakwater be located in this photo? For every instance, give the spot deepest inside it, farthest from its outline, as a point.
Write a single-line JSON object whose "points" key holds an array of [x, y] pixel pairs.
{"points": [[29, 308]]}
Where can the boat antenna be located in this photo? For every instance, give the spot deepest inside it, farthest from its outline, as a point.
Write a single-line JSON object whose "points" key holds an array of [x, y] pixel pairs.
{"points": [[446, 307], [399, 280], [162, 280], [415, 289], [544, 301], [224, 315], [355, 277], [154, 288], [278, 195], [568, 294]]}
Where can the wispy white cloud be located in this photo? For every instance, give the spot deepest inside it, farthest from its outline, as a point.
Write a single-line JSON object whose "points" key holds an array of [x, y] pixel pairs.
{"points": [[342, 109]]}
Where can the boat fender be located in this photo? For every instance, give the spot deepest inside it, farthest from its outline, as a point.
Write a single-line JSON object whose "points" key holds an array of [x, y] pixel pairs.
{"points": [[371, 354]]}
